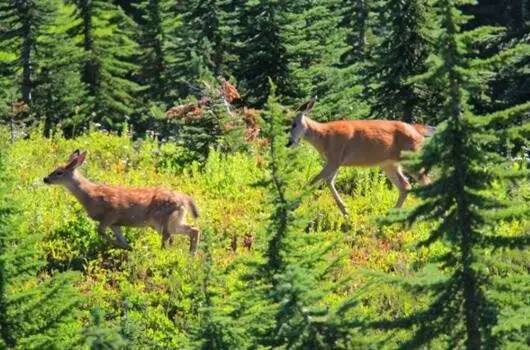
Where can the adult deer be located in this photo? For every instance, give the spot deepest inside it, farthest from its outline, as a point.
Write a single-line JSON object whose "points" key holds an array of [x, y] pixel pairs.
{"points": [[115, 206], [360, 143]]}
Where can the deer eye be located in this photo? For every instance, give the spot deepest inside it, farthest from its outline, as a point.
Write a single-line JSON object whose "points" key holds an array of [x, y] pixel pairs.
{"points": [[59, 173]]}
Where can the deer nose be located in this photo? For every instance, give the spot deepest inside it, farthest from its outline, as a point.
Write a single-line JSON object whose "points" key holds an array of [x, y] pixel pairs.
{"points": [[289, 143], [46, 180]]}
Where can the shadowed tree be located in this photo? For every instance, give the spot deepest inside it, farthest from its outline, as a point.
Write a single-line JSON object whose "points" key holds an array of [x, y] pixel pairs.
{"points": [[257, 51], [35, 311], [42, 60], [400, 55], [464, 208], [110, 62]]}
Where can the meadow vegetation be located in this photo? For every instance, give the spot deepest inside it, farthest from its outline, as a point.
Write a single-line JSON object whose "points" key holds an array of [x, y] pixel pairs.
{"points": [[197, 96], [159, 290], [155, 296]]}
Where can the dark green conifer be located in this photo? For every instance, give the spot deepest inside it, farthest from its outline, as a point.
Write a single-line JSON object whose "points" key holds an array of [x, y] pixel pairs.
{"points": [[21, 23], [255, 30], [398, 56], [100, 337], [35, 311], [110, 62], [465, 209], [205, 41], [343, 92], [314, 41], [299, 278], [153, 36], [354, 19], [285, 306], [60, 97], [216, 329]]}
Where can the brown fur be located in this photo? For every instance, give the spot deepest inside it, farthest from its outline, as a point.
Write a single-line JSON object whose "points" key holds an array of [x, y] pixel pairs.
{"points": [[115, 206], [361, 143]]}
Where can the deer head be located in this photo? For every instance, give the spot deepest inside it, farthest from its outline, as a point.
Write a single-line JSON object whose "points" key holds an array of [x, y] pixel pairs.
{"points": [[64, 174], [299, 126]]}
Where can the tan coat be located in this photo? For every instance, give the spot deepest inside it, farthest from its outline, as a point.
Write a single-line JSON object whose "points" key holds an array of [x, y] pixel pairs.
{"points": [[116, 206], [360, 143]]}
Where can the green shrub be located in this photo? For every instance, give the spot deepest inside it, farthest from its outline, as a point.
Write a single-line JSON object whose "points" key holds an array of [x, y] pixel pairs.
{"points": [[153, 294]]}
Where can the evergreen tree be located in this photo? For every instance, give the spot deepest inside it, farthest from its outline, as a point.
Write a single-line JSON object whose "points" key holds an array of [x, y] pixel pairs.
{"points": [[400, 55], [182, 46], [152, 41], [314, 41], [205, 39], [464, 208], [299, 278], [216, 328], [343, 94], [283, 305], [355, 21], [100, 337], [110, 64], [21, 23], [8, 56], [258, 52], [168, 70], [509, 84], [215, 128], [35, 312], [60, 97], [40, 46]]}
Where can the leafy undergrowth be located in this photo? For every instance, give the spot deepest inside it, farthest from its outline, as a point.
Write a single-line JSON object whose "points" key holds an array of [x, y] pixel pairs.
{"points": [[157, 291]]}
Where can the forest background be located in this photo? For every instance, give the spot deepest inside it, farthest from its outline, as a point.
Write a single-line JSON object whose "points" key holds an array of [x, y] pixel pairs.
{"points": [[143, 86]]}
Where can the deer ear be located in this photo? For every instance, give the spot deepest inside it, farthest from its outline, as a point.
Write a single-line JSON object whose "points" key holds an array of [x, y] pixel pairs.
{"points": [[307, 106], [302, 107], [81, 159], [74, 155], [311, 103], [76, 159]]}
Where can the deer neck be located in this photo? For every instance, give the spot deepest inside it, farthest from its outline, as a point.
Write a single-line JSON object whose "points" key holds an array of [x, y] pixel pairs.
{"points": [[81, 188], [314, 134]]}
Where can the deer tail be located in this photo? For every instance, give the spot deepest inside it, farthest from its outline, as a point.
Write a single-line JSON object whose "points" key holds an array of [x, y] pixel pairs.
{"points": [[193, 208], [425, 130]]}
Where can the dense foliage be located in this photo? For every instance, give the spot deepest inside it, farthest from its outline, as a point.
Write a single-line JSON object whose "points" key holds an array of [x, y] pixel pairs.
{"points": [[109, 63], [144, 85], [465, 213], [36, 310]]}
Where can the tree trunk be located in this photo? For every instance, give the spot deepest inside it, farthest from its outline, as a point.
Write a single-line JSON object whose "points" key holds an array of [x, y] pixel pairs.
{"points": [[361, 17], [515, 15], [469, 280], [91, 66], [408, 107], [25, 55]]}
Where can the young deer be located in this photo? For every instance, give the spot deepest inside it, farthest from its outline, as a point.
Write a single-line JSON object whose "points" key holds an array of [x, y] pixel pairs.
{"points": [[114, 206], [360, 143]]}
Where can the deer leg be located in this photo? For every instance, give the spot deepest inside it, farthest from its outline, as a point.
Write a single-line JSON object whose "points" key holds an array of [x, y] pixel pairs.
{"points": [[176, 225], [166, 235], [102, 228], [165, 229], [399, 180], [195, 237], [120, 239], [192, 232], [327, 173], [338, 200]]}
